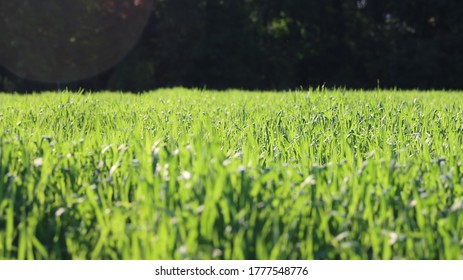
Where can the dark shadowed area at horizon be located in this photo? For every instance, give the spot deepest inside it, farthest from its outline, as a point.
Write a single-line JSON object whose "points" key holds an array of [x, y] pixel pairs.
{"points": [[241, 44]]}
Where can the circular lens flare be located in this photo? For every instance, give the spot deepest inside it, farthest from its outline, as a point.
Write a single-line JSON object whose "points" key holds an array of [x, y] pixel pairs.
{"points": [[68, 40]]}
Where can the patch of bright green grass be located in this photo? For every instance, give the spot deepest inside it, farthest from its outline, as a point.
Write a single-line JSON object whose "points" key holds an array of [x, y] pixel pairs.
{"points": [[184, 174]]}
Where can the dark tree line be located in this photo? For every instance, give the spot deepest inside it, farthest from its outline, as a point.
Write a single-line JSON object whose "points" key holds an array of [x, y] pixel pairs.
{"points": [[287, 44]]}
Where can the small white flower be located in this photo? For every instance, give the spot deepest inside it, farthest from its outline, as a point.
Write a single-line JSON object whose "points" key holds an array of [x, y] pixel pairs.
{"points": [[38, 162], [393, 238], [186, 175], [60, 212]]}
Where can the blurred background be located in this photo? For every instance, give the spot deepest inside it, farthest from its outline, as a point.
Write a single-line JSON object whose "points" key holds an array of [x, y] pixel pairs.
{"points": [[250, 44]]}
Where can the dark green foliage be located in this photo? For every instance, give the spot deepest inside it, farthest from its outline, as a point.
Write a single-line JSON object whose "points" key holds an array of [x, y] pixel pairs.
{"points": [[276, 44]]}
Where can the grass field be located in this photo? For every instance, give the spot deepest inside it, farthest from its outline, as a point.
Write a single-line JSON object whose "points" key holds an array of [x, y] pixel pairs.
{"points": [[184, 174]]}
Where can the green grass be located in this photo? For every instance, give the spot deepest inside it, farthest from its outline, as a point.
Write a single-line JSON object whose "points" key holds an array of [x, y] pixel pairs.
{"points": [[184, 174]]}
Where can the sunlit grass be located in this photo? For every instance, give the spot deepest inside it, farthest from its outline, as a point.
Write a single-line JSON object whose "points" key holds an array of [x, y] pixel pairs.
{"points": [[184, 174]]}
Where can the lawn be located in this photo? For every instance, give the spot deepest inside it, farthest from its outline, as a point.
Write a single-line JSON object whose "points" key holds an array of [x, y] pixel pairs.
{"points": [[192, 174]]}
